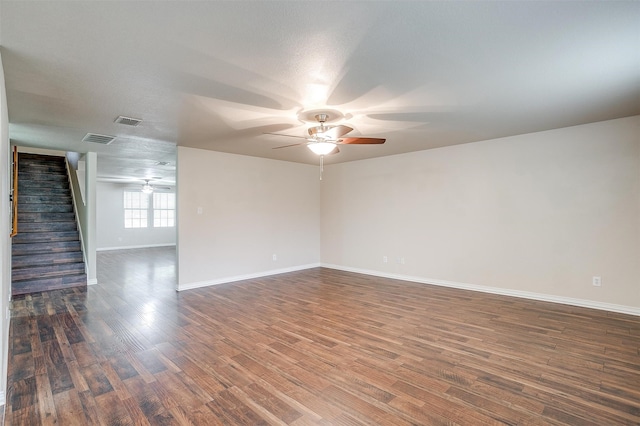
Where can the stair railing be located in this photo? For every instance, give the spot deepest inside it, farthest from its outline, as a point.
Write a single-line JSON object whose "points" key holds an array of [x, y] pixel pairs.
{"points": [[14, 195]]}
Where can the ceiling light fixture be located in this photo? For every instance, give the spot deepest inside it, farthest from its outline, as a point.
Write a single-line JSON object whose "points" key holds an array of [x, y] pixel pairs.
{"points": [[321, 148], [146, 188]]}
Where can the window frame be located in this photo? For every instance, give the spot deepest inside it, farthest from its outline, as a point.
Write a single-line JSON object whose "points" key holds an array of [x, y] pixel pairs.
{"points": [[135, 210], [142, 211], [166, 209]]}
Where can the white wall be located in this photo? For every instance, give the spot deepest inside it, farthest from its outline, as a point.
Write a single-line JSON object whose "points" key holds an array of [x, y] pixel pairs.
{"points": [[5, 230], [536, 214], [111, 233], [251, 209]]}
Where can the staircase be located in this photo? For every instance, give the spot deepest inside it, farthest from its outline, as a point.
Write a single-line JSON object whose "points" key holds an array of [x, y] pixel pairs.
{"points": [[46, 253]]}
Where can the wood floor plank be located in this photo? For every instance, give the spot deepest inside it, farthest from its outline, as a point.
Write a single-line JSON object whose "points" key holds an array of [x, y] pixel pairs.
{"points": [[69, 408], [112, 410], [97, 380], [134, 411], [146, 398], [46, 404], [90, 408], [314, 347], [83, 354]]}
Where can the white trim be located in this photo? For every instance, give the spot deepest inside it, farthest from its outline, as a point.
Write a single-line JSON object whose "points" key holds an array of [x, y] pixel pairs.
{"points": [[135, 247], [92, 281], [2, 398], [231, 279], [74, 201], [630, 310], [41, 151]]}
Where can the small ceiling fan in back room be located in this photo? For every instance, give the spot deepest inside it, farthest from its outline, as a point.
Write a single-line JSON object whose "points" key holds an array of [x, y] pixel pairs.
{"points": [[325, 138], [147, 188]]}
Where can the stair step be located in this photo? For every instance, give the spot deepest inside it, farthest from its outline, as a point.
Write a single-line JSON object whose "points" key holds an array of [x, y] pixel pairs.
{"points": [[47, 271], [26, 156], [34, 192], [44, 237], [36, 176], [45, 217], [28, 227], [54, 161], [46, 284], [50, 247], [44, 208], [25, 185], [23, 261], [40, 169], [29, 198]]}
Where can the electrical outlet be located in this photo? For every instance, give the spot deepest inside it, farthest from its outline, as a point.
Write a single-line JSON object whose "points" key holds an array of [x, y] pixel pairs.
{"points": [[385, 259], [597, 281]]}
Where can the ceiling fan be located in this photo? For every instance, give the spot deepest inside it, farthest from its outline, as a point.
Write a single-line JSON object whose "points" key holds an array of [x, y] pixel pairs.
{"points": [[147, 188], [324, 139]]}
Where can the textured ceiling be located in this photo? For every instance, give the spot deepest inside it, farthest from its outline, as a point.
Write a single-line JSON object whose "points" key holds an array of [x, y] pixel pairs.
{"points": [[218, 75]]}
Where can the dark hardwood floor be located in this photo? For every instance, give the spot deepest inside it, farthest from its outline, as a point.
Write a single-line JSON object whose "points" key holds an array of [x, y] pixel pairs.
{"points": [[312, 347]]}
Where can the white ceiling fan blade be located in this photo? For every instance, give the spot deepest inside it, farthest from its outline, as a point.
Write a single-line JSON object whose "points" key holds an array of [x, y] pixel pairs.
{"points": [[338, 131]]}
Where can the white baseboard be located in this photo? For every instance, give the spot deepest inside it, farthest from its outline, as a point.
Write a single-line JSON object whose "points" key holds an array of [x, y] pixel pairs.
{"points": [[630, 310], [92, 281], [2, 398], [134, 247], [190, 286]]}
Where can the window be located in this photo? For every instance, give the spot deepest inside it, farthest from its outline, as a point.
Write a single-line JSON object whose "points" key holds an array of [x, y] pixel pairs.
{"points": [[136, 208], [164, 209], [139, 208]]}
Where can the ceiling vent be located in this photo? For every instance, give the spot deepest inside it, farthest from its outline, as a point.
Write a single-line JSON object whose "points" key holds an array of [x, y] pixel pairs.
{"points": [[162, 163], [96, 138], [128, 121]]}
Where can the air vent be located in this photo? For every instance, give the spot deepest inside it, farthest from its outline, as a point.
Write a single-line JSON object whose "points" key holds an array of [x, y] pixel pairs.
{"points": [[96, 138], [128, 121]]}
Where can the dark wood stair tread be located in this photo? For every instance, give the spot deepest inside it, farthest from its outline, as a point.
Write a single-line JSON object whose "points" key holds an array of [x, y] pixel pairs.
{"points": [[46, 217], [22, 261], [28, 227], [49, 283], [47, 271], [45, 237], [45, 247]]}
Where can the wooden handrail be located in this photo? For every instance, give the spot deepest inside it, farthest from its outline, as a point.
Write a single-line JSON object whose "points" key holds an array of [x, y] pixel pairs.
{"points": [[14, 195]]}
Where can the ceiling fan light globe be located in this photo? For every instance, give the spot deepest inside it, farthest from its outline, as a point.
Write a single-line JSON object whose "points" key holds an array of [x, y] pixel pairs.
{"points": [[147, 189], [321, 148]]}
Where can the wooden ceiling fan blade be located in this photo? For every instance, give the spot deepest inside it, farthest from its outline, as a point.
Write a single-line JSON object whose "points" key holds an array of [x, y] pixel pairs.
{"points": [[361, 141], [287, 146]]}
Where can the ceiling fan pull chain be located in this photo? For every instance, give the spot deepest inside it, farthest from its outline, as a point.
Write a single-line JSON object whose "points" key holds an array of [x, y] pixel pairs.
{"points": [[321, 166]]}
